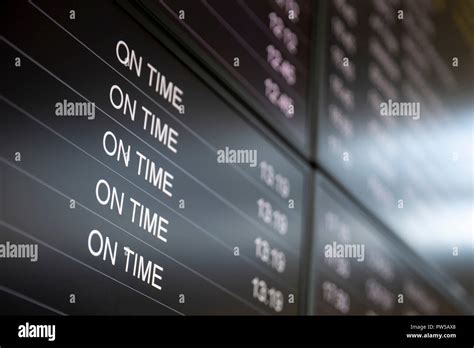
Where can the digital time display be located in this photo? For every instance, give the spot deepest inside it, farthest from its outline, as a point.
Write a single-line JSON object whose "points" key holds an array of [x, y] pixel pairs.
{"points": [[261, 48], [146, 190]]}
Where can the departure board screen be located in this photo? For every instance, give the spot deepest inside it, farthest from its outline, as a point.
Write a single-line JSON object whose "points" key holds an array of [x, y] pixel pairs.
{"points": [[358, 270], [262, 47], [237, 157], [131, 181], [395, 127]]}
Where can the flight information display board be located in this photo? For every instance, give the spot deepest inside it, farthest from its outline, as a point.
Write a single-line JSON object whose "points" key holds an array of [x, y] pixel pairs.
{"points": [[261, 48], [131, 183], [395, 121], [357, 270]]}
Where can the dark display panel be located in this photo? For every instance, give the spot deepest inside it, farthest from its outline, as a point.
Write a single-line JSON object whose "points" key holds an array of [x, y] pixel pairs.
{"points": [[131, 206], [357, 270], [261, 48], [131, 156], [395, 121]]}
